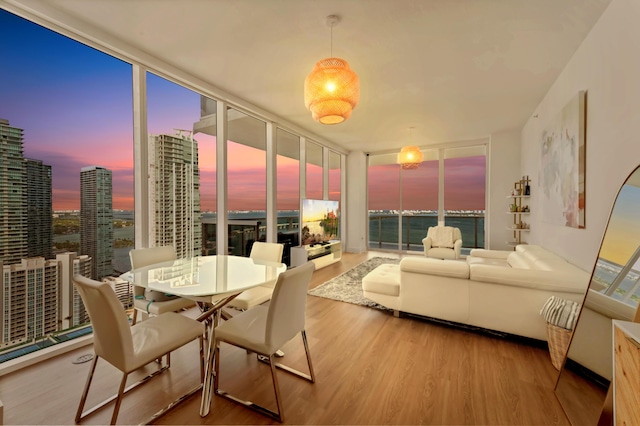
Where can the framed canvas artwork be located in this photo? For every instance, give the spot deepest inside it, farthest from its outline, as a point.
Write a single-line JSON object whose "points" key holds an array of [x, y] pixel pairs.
{"points": [[562, 166]]}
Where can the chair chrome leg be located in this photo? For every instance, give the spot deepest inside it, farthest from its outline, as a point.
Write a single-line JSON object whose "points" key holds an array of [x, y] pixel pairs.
{"points": [[85, 392], [276, 388], [135, 317], [201, 340], [116, 409], [306, 349], [107, 401]]}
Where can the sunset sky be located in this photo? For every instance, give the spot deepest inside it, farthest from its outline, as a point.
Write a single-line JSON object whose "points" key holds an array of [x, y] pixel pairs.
{"points": [[622, 234], [75, 107]]}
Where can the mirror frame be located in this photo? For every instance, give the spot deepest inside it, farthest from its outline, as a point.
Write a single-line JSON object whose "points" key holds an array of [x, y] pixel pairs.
{"points": [[596, 398]]}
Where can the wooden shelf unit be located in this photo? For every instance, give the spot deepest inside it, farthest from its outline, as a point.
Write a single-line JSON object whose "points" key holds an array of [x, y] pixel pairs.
{"points": [[519, 209]]}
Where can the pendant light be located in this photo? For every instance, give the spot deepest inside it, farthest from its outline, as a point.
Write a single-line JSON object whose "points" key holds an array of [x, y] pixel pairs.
{"points": [[332, 89], [410, 156]]}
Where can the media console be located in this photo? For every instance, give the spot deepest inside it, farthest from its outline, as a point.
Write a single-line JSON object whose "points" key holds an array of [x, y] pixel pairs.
{"points": [[322, 254]]}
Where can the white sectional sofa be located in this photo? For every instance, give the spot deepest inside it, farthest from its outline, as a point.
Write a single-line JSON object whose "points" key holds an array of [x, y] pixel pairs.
{"points": [[492, 289]]}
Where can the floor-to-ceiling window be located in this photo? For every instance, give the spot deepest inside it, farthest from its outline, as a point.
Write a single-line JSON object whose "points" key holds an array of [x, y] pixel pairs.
{"points": [[288, 191], [419, 189], [335, 176], [205, 133], [465, 171], [75, 110], [181, 148], [246, 180], [66, 177], [288, 181], [314, 184], [448, 188], [384, 202]]}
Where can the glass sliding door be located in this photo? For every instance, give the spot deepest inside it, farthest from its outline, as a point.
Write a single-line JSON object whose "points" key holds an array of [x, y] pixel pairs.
{"points": [[404, 203], [419, 201], [383, 202], [465, 171], [246, 181]]}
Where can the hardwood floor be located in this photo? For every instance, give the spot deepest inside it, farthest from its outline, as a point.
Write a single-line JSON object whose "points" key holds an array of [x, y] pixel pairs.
{"points": [[371, 368]]}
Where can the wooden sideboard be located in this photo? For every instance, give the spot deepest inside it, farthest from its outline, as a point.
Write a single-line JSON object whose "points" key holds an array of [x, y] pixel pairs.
{"points": [[626, 372]]}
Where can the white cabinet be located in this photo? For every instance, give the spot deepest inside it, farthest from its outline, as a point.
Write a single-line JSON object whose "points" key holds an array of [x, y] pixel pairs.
{"points": [[322, 254]]}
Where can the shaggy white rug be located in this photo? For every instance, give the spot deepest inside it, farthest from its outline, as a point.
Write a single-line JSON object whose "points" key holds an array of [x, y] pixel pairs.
{"points": [[347, 287]]}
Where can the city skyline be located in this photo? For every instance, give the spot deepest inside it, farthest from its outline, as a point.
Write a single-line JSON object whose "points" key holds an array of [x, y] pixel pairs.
{"points": [[74, 104]]}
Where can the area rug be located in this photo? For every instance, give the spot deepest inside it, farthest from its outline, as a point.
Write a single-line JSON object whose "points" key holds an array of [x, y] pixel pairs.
{"points": [[347, 287]]}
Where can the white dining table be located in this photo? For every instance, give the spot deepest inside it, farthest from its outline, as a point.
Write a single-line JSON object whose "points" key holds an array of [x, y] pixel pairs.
{"points": [[212, 281]]}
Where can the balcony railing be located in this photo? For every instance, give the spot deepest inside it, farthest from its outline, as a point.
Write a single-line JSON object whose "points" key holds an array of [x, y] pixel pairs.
{"points": [[383, 230]]}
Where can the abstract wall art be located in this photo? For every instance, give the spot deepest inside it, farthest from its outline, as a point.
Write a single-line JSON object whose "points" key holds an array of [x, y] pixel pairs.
{"points": [[562, 166]]}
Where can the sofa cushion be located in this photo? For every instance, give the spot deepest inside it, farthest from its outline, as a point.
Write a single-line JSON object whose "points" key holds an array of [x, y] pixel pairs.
{"points": [[444, 268], [384, 279]]}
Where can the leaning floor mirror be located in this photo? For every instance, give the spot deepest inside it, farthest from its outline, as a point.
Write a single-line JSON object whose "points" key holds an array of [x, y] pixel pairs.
{"points": [[613, 293]]}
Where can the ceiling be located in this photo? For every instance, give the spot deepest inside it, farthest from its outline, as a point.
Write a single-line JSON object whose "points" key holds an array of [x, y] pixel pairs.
{"points": [[452, 70]]}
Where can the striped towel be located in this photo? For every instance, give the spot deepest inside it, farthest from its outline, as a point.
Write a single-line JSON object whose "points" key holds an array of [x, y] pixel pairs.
{"points": [[560, 312]]}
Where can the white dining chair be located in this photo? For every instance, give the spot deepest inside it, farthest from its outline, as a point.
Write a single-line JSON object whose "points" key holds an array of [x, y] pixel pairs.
{"points": [[264, 330], [149, 302], [265, 252], [129, 348]]}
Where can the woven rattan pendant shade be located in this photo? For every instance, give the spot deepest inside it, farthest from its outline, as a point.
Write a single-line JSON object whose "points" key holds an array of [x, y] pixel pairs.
{"points": [[331, 91], [410, 157]]}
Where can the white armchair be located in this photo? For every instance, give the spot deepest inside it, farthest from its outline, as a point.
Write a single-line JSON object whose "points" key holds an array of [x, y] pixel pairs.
{"points": [[443, 242]]}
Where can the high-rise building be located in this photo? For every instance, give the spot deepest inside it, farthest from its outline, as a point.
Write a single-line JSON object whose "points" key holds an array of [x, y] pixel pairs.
{"points": [[96, 219], [174, 187], [29, 300], [39, 209], [123, 290], [72, 308], [13, 195]]}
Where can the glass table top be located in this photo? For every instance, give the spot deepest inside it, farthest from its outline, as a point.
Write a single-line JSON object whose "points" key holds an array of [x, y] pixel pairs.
{"points": [[206, 275]]}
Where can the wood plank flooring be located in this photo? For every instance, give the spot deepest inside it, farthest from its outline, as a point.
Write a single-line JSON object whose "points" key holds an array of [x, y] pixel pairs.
{"points": [[371, 368]]}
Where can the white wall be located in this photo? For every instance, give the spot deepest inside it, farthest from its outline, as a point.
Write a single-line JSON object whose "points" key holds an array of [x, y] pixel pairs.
{"points": [[503, 164], [607, 66]]}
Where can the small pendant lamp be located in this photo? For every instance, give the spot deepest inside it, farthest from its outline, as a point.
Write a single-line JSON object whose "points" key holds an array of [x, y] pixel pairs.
{"points": [[410, 156], [332, 89]]}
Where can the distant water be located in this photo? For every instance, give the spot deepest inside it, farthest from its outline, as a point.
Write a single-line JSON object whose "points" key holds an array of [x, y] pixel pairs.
{"points": [[383, 228], [606, 272]]}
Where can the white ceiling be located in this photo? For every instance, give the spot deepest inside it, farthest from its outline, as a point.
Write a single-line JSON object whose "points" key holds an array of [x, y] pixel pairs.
{"points": [[451, 69]]}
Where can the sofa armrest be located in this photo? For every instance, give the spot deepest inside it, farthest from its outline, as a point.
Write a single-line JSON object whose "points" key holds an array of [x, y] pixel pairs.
{"points": [[557, 281]]}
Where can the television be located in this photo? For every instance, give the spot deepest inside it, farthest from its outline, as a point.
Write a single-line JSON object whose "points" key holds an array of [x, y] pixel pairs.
{"points": [[320, 221]]}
